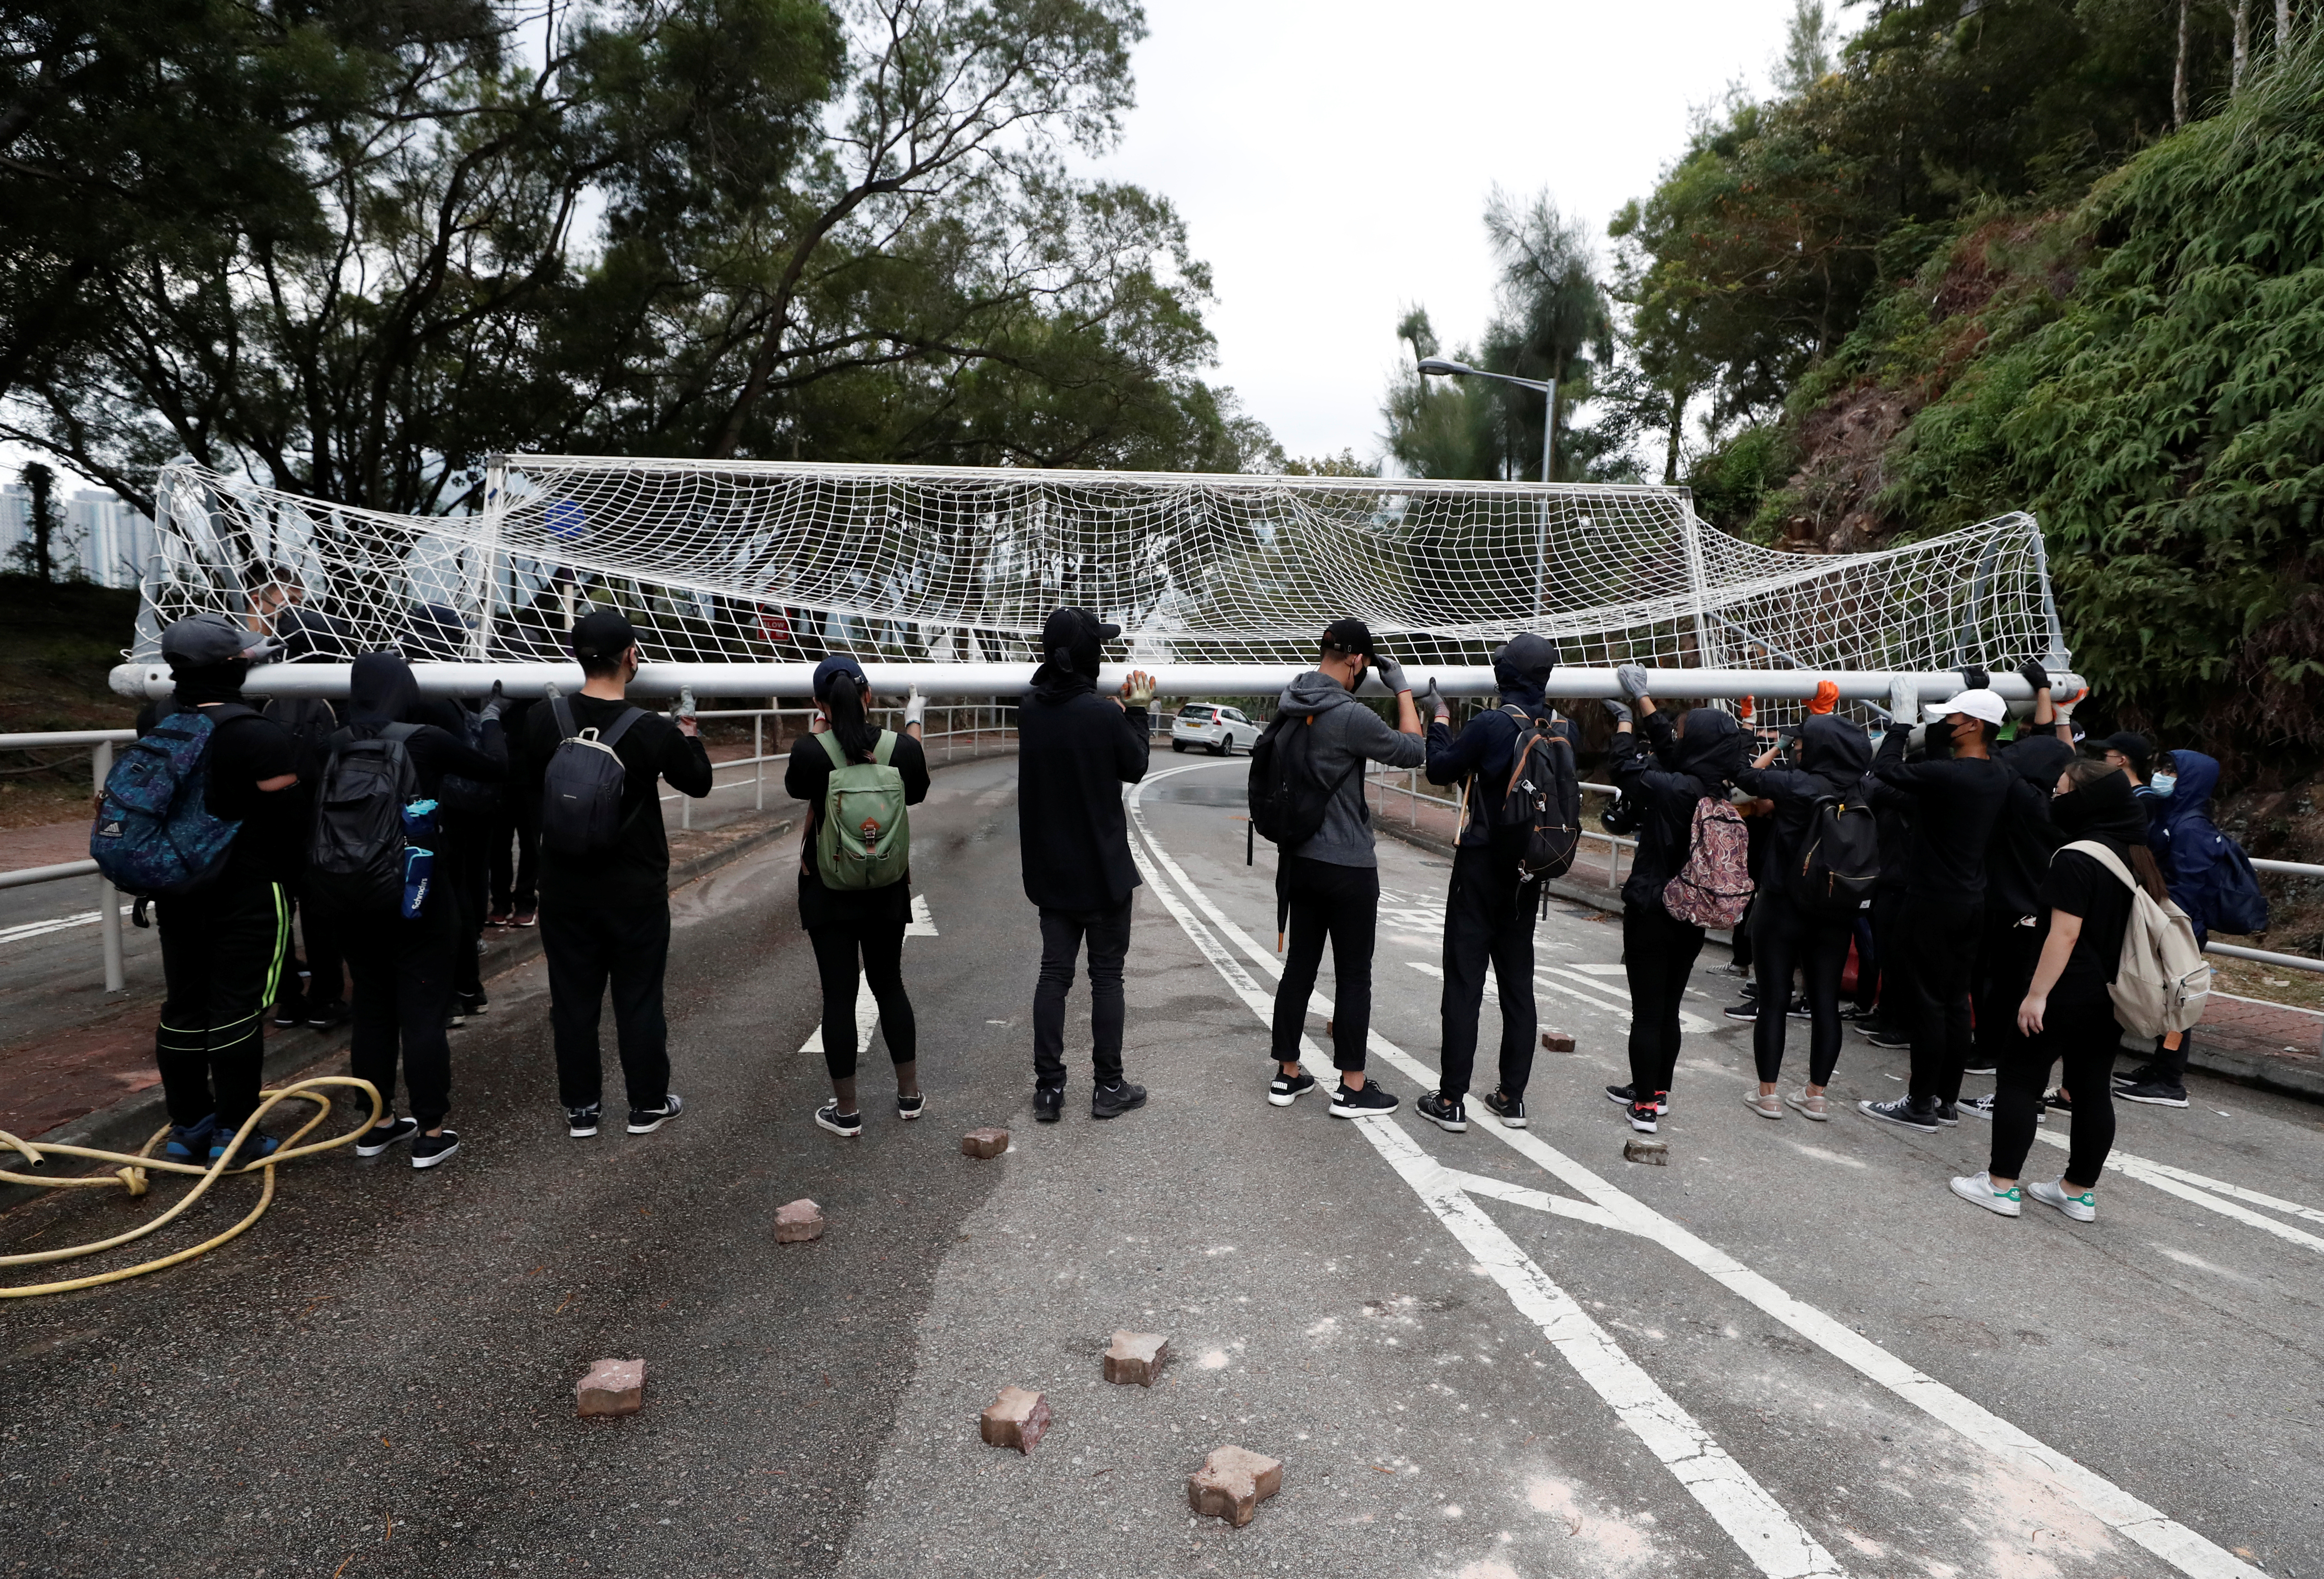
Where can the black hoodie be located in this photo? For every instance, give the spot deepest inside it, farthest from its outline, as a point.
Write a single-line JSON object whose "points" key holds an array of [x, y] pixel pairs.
{"points": [[1704, 761], [381, 691], [1833, 756], [2017, 856], [1956, 801]]}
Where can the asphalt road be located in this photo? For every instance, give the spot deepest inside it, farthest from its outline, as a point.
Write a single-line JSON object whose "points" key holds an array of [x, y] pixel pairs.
{"points": [[1483, 1355]]}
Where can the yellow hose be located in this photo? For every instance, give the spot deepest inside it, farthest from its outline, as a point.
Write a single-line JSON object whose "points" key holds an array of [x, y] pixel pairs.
{"points": [[130, 1176]]}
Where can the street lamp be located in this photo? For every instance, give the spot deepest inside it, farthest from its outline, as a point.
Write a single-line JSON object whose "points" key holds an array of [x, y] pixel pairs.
{"points": [[1439, 367]]}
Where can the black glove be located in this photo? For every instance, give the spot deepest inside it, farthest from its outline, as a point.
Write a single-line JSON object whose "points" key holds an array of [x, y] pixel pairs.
{"points": [[2031, 672], [1974, 678]]}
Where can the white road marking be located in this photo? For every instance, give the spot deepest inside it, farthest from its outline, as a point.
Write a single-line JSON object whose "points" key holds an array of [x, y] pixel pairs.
{"points": [[923, 924], [1477, 1184], [2166, 1180], [2149, 1526], [38, 928], [1776, 1543]]}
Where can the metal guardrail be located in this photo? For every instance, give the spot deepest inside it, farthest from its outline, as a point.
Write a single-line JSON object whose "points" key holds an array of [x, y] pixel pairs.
{"points": [[108, 897]]}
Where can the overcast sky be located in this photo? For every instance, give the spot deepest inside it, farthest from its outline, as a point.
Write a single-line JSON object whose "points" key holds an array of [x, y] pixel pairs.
{"points": [[1333, 161]]}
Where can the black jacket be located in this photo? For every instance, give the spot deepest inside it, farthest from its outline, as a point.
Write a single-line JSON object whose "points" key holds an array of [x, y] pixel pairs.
{"points": [[636, 871], [2017, 856], [381, 691], [1956, 801], [1833, 755], [1704, 762], [1074, 752]]}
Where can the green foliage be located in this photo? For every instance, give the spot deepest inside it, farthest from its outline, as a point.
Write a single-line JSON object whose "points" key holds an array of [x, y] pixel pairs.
{"points": [[1735, 477], [2167, 426]]}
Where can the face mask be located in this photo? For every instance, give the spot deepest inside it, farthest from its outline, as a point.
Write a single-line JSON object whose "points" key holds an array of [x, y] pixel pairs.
{"points": [[2165, 783]]}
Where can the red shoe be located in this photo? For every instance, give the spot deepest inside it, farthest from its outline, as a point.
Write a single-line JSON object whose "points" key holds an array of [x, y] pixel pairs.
{"points": [[527, 918]]}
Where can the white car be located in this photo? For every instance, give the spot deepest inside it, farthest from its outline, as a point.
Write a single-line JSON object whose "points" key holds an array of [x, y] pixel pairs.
{"points": [[1219, 730]]}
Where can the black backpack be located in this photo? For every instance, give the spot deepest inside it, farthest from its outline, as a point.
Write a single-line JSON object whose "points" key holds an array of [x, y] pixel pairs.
{"points": [[1838, 862], [1535, 816], [1289, 798], [582, 788], [468, 800], [354, 854]]}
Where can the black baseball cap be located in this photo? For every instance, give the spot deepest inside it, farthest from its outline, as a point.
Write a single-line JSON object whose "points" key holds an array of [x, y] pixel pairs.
{"points": [[602, 634], [2132, 744], [832, 667], [1068, 628], [1349, 635], [199, 640]]}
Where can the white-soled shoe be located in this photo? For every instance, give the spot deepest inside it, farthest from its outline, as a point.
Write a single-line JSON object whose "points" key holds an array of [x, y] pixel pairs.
{"points": [[2082, 1207], [1977, 1189]]}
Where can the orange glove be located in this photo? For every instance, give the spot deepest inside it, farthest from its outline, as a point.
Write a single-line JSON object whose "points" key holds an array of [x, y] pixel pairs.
{"points": [[1743, 708], [1827, 697]]}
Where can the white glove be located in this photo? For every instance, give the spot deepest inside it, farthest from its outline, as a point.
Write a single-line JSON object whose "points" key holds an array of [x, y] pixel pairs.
{"points": [[916, 707], [685, 701], [1903, 703], [1632, 678], [1621, 713]]}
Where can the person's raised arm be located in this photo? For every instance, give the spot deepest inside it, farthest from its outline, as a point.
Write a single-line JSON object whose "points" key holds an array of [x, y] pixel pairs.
{"points": [[685, 760], [1391, 673], [1133, 747]]}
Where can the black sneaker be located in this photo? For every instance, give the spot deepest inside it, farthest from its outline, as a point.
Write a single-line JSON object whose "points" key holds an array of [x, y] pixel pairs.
{"points": [[1286, 1089], [2153, 1093], [909, 1108], [1902, 1112], [1799, 1010], [581, 1123], [328, 1015], [470, 1004], [291, 1010], [2140, 1075], [1746, 1010], [258, 1148], [1111, 1102], [1879, 1038], [1623, 1096], [1509, 1110], [380, 1137], [1450, 1114], [846, 1125], [1642, 1116], [1851, 1012], [1370, 1103], [645, 1121], [2059, 1101], [1750, 989], [1988, 1069], [1048, 1103], [427, 1150], [1948, 1114], [190, 1143]]}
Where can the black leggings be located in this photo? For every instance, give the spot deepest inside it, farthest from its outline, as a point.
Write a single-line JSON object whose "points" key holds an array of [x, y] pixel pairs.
{"points": [[1657, 955], [881, 946], [1818, 945], [2086, 1038]]}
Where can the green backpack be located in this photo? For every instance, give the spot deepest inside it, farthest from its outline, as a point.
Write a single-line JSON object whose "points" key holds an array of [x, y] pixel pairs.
{"points": [[866, 837]]}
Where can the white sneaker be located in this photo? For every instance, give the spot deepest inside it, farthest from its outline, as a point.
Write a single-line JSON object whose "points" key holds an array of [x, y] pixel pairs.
{"points": [[2081, 1208], [1977, 1189], [1767, 1107]]}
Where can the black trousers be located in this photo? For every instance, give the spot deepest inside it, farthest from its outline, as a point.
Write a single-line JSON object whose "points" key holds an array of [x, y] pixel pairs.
{"points": [[516, 881], [1658, 953], [1893, 1007], [2085, 1039], [880, 945], [404, 989], [1943, 936], [1340, 904], [589, 948], [2006, 954], [1817, 946], [327, 980], [467, 869], [1063, 933], [1868, 964], [222, 949], [1489, 917]]}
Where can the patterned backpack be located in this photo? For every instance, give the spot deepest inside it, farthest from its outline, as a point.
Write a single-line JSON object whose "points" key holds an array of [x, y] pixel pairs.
{"points": [[1714, 886], [154, 834]]}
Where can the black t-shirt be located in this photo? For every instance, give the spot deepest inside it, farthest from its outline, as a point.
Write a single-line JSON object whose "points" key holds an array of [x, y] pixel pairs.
{"points": [[636, 871], [806, 778], [1956, 800], [242, 752], [2079, 886]]}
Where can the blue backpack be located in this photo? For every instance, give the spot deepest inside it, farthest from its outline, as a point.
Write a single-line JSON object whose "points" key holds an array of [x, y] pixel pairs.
{"points": [[2237, 905], [154, 834]]}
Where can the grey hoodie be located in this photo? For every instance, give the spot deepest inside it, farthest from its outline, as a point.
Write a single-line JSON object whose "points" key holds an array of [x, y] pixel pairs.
{"points": [[1346, 733]]}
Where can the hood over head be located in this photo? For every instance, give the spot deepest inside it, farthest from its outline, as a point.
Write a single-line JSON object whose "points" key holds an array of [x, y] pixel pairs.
{"points": [[1521, 667], [2038, 759], [1711, 749], [437, 633], [2108, 807], [381, 689], [1072, 645], [2199, 775], [1833, 748], [1313, 693]]}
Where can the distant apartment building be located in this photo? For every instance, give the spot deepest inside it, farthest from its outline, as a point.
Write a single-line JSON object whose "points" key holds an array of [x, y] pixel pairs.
{"points": [[100, 537]]}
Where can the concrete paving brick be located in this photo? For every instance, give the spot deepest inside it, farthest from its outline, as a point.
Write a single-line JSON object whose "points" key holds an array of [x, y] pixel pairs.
{"points": [[612, 1387], [798, 1222], [1232, 1483], [1137, 1357], [1017, 1418], [984, 1142], [1556, 1041], [1638, 1148]]}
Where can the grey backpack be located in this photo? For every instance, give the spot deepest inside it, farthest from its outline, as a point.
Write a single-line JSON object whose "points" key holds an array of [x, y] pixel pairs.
{"points": [[581, 790]]}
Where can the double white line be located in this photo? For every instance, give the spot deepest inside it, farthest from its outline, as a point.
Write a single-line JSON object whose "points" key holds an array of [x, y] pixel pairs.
{"points": [[1776, 1542]]}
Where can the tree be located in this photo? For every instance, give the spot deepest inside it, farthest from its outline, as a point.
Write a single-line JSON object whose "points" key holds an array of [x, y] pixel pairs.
{"points": [[1806, 58], [1552, 315], [39, 554]]}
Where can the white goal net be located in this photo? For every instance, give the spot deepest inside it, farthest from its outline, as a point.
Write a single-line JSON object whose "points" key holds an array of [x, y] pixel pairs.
{"points": [[741, 562]]}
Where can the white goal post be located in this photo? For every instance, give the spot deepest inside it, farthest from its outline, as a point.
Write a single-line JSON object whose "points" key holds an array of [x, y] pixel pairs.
{"points": [[740, 575]]}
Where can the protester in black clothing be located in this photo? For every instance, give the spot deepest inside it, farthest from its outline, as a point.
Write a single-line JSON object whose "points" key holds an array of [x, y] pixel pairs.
{"points": [[465, 810], [515, 877], [866, 924], [2066, 1014], [1956, 798], [1489, 909], [1890, 1022], [606, 917], [403, 968], [1665, 772], [1074, 752], [1329, 886], [222, 944], [313, 990], [1833, 755], [2016, 865]]}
